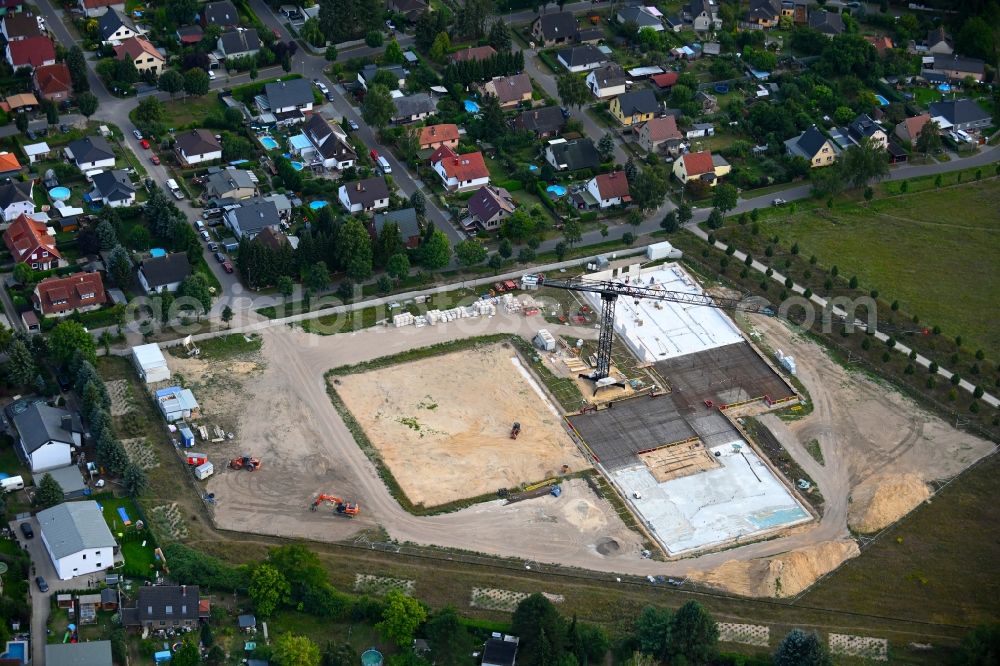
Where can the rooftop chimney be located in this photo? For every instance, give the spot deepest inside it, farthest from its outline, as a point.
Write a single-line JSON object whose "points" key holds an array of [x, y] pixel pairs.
{"points": [[66, 422]]}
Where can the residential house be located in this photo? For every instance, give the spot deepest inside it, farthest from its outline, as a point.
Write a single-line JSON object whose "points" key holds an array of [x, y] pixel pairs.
{"points": [[197, 146], [412, 108], [829, 24], [53, 82], [222, 14], [797, 10], [405, 220], [460, 173], [813, 146], [544, 122], [89, 653], [703, 15], [160, 274], [289, 100], [552, 29], [435, 136], [96, 8], [77, 538], [939, 42], [882, 43], [16, 199], [46, 436], [703, 166], [592, 35], [176, 403], [960, 114], [500, 651], [368, 72], [31, 242], [231, 183], [764, 14], [581, 58], [36, 151], [91, 152], [142, 53], [665, 81], [959, 68], [609, 189], [163, 607], [239, 43], [115, 26], [910, 129], [328, 143], [31, 52], [509, 90], [573, 155], [864, 128], [641, 16], [113, 188], [16, 27], [697, 130], [607, 81], [366, 195], [189, 35], [473, 53], [661, 133], [8, 164], [489, 207], [635, 107], [411, 9], [62, 296], [252, 217], [272, 239]]}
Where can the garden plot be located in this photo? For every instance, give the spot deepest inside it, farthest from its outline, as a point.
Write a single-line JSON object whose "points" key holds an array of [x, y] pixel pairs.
{"points": [[141, 452], [745, 634], [864, 647], [491, 598], [121, 397], [381, 585], [168, 520]]}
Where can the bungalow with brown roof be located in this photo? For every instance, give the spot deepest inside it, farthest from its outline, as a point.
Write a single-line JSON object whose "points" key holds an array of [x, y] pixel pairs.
{"points": [[509, 90], [460, 173], [143, 54], [473, 53], [910, 129], [661, 133], [53, 82], [435, 136]]}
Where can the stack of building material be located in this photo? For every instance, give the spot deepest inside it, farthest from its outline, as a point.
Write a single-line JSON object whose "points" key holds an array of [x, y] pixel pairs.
{"points": [[511, 304], [402, 319]]}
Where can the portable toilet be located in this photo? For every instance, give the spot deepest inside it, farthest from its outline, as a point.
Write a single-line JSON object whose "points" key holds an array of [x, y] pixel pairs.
{"points": [[187, 436]]}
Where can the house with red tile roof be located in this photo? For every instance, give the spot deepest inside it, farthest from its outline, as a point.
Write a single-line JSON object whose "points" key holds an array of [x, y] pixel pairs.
{"points": [[9, 164], [473, 53], [62, 296], [435, 136], [142, 53], [609, 189], [703, 165], [664, 81], [882, 43], [53, 82], [460, 173], [29, 242], [32, 52]]}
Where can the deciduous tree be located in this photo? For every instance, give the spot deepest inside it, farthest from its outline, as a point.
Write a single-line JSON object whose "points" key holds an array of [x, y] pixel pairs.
{"points": [[377, 109], [268, 589], [573, 90], [401, 618], [292, 650], [69, 338]]}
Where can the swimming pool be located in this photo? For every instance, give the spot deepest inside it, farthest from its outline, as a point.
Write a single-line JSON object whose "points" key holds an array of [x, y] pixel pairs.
{"points": [[471, 107], [297, 166], [532, 167], [59, 193], [17, 650], [882, 101], [268, 142], [721, 88], [316, 205], [557, 190], [157, 252], [944, 87]]}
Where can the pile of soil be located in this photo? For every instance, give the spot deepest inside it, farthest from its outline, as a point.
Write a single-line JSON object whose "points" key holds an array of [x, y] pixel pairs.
{"points": [[782, 575], [883, 499]]}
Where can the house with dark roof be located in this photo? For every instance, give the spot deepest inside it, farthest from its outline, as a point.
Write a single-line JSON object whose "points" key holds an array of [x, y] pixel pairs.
{"points": [[573, 155], [30, 242], [460, 173], [609, 189], [288, 96], [405, 219], [764, 13], [370, 194], [797, 10], [252, 217], [411, 9], [814, 147], [435, 136], [113, 189], [581, 58], [500, 651], [957, 67], [552, 29], [641, 17], [15, 27], [89, 653], [95, 8], [607, 81], [160, 274], [703, 15], [509, 90], [939, 42], [31, 52], [62, 296], [189, 34], [46, 436], [197, 146], [115, 26], [328, 143], [239, 43], [367, 74], [231, 183], [635, 107], [52, 82], [864, 128], [91, 152], [411, 108], [488, 208], [961, 114], [16, 199], [163, 607], [826, 23], [473, 53], [222, 13], [544, 122], [77, 538]]}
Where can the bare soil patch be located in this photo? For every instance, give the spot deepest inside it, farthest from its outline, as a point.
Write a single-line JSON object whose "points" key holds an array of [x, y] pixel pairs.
{"points": [[883, 499], [442, 424]]}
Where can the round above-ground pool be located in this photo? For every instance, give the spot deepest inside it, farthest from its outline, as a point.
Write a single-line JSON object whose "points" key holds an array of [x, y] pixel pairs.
{"points": [[157, 252], [371, 657], [268, 142], [316, 205], [59, 193], [557, 190], [471, 107], [721, 88], [297, 166]]}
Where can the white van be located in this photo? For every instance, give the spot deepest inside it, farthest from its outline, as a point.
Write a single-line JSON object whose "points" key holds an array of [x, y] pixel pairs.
{"points": [[12, 483], [384, 163]]}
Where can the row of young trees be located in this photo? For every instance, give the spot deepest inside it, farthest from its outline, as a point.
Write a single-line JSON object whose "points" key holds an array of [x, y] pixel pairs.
{"points": [[467, 72]]}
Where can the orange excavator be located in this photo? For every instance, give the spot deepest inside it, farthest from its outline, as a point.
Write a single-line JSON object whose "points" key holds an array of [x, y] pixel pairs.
{"points": [[245, 462], [341, 507]]}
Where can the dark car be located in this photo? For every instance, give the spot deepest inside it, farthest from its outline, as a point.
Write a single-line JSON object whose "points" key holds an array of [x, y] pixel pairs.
{"points": [[228, 267], [27, 531], [219, 257], [64, 381], [42, 585]]}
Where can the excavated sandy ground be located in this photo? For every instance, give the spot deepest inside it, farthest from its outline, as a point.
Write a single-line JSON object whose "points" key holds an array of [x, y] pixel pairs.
{"points": [[883, 499], [442, 425]]}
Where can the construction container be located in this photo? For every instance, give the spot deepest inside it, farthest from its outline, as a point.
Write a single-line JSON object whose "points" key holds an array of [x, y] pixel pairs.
{"points": [[187, 436], [663, 250], [11, 483], [203, 471], [196, 458], [543, 340]]}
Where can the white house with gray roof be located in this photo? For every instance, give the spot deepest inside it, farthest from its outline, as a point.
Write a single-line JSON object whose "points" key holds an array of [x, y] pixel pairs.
{"points": [[47, 436], [77, 538]]}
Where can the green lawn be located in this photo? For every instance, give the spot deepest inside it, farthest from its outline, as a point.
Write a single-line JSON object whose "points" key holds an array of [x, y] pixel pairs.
{"points": [[181, 112], [936, 252], [925, 96], [223, 347]]}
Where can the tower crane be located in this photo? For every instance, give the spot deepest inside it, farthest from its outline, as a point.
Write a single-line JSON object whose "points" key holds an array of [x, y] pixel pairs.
{"points": [[610, 291]]}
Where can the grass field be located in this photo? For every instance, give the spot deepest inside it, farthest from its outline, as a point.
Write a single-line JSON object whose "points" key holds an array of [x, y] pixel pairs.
{"points": [[183, 111], [934, 251]]}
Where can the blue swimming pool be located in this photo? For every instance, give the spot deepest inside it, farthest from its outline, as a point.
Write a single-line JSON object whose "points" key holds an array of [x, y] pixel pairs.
{"points": [[297, 166], [882, 101], [59, 193], [944, 87], [157, 252], [471, 107], [17, 650], [557, 190], [316, 205], [268, 142], [532, 167], [721, 88]]}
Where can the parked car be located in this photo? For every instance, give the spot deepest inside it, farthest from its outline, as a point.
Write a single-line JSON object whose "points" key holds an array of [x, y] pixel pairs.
{"points": [[155, 159], [213, 247], [374, 154], [145, 144], [329, 96], [137, 134], [777, 202], [226, 266], [219, 257], [27, 531], [353, 125], [42, 585], [204, 235], [211, 75]]}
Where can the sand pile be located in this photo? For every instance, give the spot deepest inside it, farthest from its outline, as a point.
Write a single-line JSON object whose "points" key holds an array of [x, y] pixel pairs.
{"points": [[782, 575], [883, 499]]}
